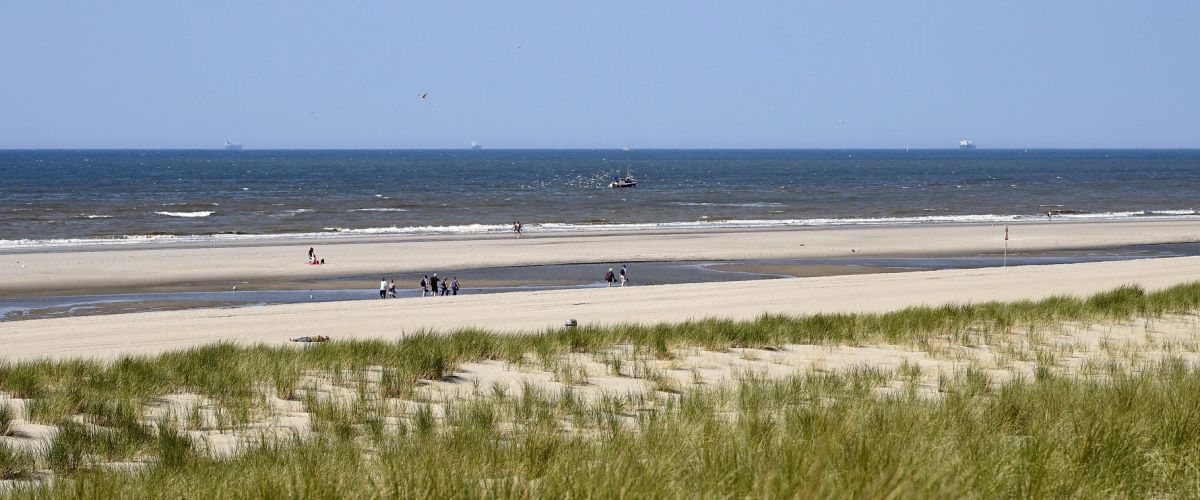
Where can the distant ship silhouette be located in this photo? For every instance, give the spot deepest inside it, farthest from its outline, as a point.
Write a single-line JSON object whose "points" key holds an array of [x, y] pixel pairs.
{"points": [[965, 144], [229, 146]]}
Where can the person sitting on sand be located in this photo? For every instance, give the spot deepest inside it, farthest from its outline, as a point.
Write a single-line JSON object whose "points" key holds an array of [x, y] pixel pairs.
{"points": [[609, 277], [312, 255]]}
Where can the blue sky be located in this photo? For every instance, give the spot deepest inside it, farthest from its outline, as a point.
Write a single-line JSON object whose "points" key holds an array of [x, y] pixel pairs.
{"points": [[1024, 74]]}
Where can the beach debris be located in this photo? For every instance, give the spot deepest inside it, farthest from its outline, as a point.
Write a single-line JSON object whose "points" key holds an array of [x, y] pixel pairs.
{"points": [[314, 338], [571, 322]]}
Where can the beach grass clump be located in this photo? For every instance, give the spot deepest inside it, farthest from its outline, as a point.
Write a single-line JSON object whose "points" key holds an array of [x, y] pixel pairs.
{"points": [[7, 415], [16, 465]]}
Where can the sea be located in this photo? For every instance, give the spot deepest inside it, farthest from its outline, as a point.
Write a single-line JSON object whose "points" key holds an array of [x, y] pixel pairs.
{"points": [[51, 198]]}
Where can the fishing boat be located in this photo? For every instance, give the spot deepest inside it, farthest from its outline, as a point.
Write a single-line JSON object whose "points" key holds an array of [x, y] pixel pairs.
{"points": [[623, 182], [229, 146], [965, 144]]}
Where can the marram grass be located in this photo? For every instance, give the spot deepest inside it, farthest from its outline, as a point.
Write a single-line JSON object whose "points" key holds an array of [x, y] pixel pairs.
{"points": [[816, 435]]}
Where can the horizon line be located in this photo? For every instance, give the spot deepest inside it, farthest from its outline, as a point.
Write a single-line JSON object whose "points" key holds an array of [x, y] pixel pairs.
{"points": [[619, 150]]}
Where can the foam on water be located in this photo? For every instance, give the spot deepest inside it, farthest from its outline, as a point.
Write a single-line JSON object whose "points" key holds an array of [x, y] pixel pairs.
{"points": [[202, 213], [552, 227]]}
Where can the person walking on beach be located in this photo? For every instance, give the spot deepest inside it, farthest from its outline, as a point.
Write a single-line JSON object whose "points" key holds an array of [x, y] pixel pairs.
{"points": [[383, 288], [425, 285], [609, 277], [433, 282], [517, 228], [624, 275], [445, 288], [454, 286], [392, 288]]}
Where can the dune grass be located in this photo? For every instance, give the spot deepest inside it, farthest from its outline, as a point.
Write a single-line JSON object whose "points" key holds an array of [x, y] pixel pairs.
{"points": [[1124, 434], [821, 435]]}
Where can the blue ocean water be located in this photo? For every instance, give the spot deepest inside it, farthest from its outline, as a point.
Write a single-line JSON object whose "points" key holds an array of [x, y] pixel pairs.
{"points": [[114, 196]]}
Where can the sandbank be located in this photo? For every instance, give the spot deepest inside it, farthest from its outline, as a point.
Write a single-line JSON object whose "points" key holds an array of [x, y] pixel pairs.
{"points": [[282, 263]]}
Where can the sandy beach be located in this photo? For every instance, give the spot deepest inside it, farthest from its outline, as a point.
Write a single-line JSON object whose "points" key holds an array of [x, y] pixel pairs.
{"points": [[282, 263], [172, 268]]}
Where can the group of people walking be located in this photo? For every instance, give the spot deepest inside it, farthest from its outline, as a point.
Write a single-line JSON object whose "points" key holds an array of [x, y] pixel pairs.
{"points": [[429, 286], [621, 276]]}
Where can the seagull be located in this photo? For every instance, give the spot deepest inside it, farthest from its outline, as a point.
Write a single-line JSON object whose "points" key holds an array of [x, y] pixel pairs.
{"points": [[424, 94]]}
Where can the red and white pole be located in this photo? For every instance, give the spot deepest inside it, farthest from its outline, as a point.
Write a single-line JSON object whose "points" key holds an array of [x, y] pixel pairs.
{"points": [[1005, 246]]}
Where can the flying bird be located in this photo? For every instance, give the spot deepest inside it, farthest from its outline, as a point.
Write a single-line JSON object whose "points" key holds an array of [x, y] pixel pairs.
{"points": [[424, 94]]}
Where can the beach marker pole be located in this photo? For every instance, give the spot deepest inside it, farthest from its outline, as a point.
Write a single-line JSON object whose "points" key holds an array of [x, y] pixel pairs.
{"points": [[1005, 246]]}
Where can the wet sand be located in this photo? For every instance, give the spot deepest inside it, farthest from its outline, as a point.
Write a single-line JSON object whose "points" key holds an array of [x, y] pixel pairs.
{"points": [[281, 264]]}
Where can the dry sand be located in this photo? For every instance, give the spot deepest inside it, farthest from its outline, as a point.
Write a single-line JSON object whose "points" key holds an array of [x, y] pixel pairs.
{"points": [[113, 335]]}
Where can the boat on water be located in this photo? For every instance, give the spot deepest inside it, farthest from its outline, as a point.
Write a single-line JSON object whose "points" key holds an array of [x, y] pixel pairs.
{"points": [[229, 146], [965, 144], [476, 145], [623, 182]]}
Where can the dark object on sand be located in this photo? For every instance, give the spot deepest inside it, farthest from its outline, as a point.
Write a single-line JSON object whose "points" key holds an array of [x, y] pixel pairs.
{"points": [[571, 322], [315, 338]]}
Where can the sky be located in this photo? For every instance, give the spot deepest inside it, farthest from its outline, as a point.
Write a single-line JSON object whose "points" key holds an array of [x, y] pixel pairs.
{"points": [[642, 74]]}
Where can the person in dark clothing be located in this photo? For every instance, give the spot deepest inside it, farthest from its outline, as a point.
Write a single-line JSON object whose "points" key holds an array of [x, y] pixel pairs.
{"points": [[445, 287], [454, 286], [609, 277], [433, 284], [425, 285]]}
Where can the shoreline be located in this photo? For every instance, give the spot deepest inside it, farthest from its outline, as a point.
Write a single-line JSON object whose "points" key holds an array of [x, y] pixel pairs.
{"points": [[501, 231], [219, 266]]}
